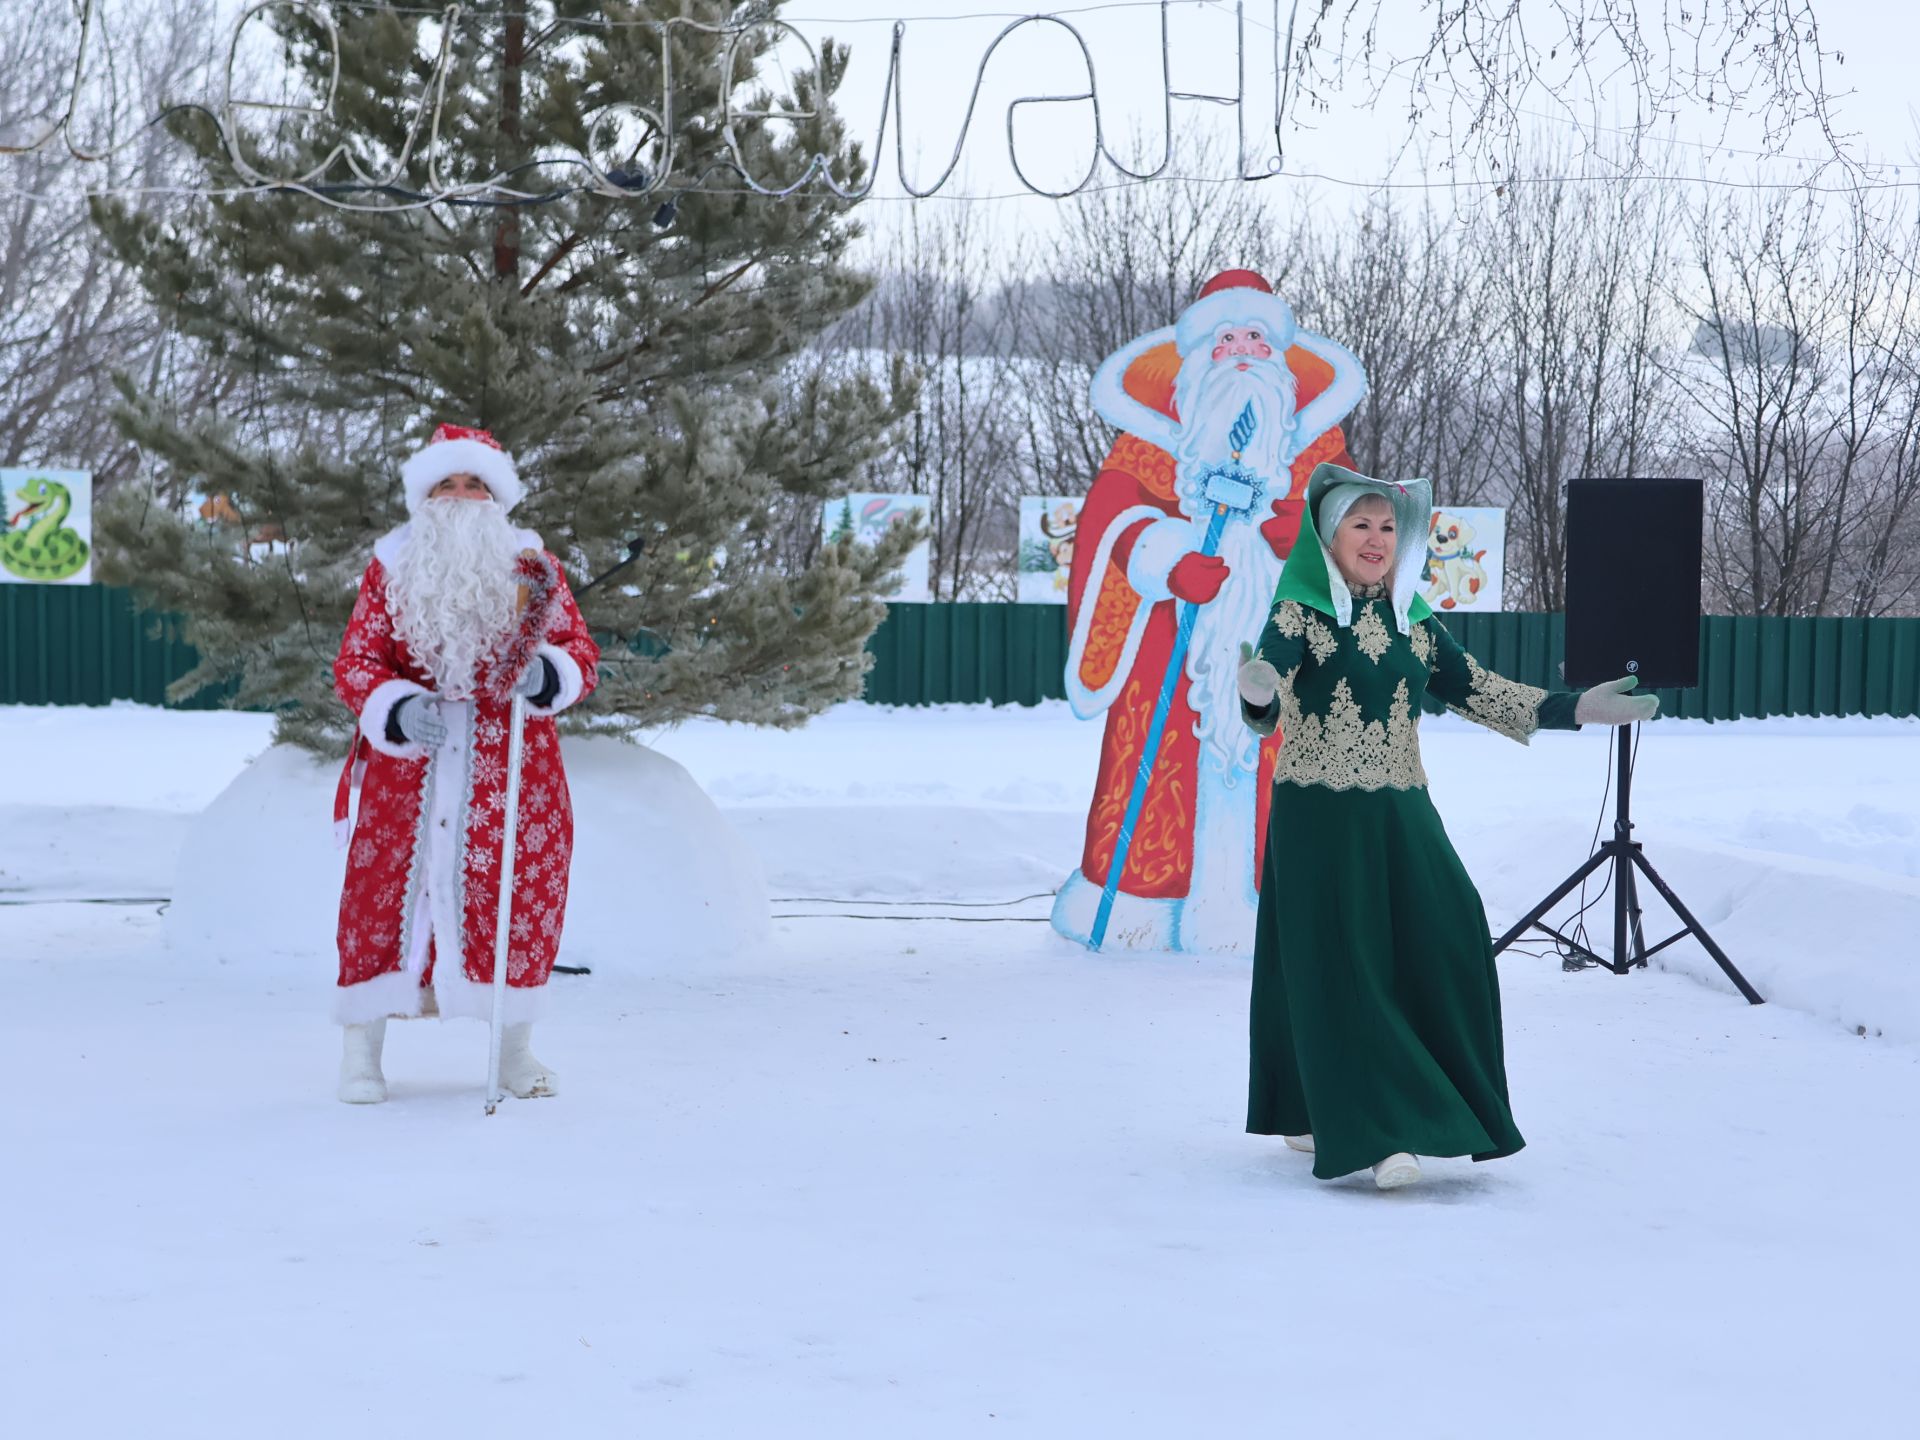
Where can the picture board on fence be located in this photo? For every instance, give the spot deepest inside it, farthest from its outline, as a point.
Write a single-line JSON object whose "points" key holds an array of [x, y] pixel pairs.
{"points": [[1466, 559], [866, 516], [1047, 526], [48, 537]]}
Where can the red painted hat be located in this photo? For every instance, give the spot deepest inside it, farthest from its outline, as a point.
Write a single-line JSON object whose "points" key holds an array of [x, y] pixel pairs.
{"points": [[1234, 280]]}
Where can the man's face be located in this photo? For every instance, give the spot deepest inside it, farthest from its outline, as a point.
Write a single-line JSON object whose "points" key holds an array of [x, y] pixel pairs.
{"points": [[1237, 344], [461, 487]]}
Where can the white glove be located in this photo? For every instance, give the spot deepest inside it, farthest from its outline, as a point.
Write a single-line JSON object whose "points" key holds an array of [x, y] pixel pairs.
{"points": [[1609, 704], [419, 720], [535, 680], [1259, 681]]}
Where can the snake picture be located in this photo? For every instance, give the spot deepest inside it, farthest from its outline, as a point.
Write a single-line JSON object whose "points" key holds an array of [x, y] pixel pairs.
{"points": [[44, 549]]}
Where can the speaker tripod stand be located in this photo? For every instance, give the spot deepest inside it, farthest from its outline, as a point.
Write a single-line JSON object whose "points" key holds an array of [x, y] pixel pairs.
{"points": [[1624, 853]]}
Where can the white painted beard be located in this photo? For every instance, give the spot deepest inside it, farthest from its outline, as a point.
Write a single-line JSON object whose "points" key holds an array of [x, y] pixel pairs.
{"points": [[1210, 397], [1235, 616], [451, 593]]}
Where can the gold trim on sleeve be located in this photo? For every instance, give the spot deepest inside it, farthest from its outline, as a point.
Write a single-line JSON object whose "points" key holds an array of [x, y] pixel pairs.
{"points": [[1502, 705]]}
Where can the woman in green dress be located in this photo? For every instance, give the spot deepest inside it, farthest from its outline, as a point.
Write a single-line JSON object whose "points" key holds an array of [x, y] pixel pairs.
{"points": [[1376, 1007]]}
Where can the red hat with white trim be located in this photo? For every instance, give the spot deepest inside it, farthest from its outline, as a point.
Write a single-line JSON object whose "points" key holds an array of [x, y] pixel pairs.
{"points": [[1234, 297], [459, 450]]}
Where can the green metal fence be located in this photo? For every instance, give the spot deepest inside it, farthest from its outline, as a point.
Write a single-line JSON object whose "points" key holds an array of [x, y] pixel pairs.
{"points": [[1749, 665], [87, 645], [932, 654]]}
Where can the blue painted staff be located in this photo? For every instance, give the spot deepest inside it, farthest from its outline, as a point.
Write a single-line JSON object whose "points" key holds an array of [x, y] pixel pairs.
{"points": [[1232, 489]]}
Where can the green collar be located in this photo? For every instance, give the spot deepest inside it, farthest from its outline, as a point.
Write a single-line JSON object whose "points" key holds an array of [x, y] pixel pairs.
{"points": [[1304, 578]]}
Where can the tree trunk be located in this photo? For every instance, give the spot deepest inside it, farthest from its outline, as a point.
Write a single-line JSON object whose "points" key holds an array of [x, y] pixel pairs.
{"points": [[513, 50]]}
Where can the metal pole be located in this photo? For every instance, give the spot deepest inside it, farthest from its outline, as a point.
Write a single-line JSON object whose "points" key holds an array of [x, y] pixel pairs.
{"points": [[503, 915], [1622, 840]]}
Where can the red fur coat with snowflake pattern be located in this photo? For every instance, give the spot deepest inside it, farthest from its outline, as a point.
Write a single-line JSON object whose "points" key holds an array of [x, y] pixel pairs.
{"points": [[418, 906]]}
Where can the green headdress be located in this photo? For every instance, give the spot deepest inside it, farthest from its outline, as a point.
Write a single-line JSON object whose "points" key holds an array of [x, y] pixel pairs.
{"points": [[1311, 577]]}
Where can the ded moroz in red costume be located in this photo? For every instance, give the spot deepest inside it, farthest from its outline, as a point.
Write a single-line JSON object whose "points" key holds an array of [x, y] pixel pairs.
{"points": [[1190, 880], [418, 907]]}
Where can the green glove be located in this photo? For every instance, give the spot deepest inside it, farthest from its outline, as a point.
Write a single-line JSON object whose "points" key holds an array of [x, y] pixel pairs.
{"points": [[1259, 681], [1610, 704]]}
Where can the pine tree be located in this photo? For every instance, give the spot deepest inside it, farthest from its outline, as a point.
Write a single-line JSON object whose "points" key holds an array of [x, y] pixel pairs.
{"points": [[650, 377]]}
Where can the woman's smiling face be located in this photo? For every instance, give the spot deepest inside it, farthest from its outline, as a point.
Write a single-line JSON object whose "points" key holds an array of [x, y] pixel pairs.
{"points": [[1365, 541]]}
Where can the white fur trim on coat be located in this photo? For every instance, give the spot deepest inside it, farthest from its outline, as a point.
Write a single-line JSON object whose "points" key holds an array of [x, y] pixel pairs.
{"points": [[394, 993], [1336, 402], [1114, 405], [567, 670], [464, 999], [1088, 702], [437, 461], [379, 708], [1155, 553]]}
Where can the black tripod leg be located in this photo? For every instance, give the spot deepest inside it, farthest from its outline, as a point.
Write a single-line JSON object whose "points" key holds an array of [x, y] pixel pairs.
{"points": [[1622, 881], [1700, 931], [1636, 931], [1594, 862]]}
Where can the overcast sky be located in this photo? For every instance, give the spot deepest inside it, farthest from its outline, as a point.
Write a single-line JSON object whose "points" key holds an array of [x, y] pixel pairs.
{"points": [[1331, 158], [1350, 143]]}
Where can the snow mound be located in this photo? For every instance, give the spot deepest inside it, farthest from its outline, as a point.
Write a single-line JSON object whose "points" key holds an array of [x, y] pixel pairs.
{"points": [[659, 877]]}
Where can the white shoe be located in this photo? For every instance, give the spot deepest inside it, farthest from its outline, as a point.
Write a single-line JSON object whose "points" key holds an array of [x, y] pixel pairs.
{"points": [[1303, 1143], [361, 1082], [1396, 1171], [520, 1073]]}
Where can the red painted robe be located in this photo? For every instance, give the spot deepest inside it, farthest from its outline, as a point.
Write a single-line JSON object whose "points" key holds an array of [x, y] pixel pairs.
{"points": [[423, 860], [1137, 473]]}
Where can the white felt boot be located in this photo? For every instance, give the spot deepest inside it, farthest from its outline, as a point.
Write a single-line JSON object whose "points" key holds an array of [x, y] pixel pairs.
{"points": [[361, 1082], [1396, 1171], [1302, 1143], [520, 1073]]}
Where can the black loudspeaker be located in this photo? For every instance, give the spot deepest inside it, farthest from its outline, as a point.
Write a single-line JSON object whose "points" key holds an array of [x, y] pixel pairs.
{"points": [[1633, 581]]}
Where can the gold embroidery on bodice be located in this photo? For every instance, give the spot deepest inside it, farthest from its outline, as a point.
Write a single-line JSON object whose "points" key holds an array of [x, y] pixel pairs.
{"points": [[1343, 751], [1422, 643], [1320, 639], [1370, 634]]}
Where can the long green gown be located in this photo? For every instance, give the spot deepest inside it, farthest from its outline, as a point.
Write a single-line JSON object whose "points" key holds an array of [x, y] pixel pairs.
{"points": [[1376, 1007]]}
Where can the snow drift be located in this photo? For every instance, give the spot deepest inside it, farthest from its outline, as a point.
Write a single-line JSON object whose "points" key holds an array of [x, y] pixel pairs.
{"points": [[659, 877]]}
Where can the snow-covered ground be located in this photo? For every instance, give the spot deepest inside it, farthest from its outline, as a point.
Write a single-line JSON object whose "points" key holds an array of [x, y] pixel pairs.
{"points": [[914, 1177]]}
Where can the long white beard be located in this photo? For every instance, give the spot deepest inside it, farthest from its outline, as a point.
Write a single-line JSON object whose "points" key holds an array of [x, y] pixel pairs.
{"points": [[1210, 397], [1236, 615], [451, 592]]}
